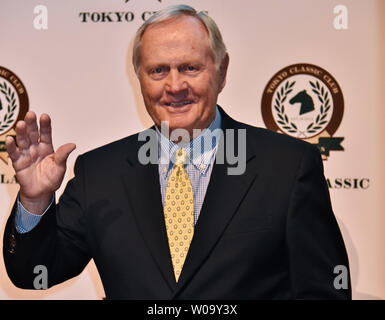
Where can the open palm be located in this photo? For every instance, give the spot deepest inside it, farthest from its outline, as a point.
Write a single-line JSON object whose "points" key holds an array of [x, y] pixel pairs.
{"points": [[39, 169]]}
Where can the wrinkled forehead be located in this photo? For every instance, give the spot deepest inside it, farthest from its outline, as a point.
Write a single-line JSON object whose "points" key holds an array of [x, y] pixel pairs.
{"points": [[180, 29]]}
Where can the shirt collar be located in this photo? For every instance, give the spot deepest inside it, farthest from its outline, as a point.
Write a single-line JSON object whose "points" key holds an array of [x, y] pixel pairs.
{"points": [[201, 149]]}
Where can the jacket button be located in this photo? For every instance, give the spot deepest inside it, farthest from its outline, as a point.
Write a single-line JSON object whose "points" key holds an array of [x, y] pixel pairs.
{"points": [[12, 244]]}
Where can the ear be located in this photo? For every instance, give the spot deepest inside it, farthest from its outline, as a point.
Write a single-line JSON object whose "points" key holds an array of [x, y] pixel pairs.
{"points": [[223, 72]]}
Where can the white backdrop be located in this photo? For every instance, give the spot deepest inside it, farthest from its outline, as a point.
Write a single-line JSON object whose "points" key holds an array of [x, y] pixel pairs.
{"points": [[80, 73]]}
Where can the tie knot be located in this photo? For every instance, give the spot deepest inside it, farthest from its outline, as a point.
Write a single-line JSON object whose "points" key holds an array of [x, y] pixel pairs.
{"points": [[181, 157]]}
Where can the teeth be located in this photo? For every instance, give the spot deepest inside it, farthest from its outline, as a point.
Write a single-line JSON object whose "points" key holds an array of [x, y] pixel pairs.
{"points": [[178, 104]]}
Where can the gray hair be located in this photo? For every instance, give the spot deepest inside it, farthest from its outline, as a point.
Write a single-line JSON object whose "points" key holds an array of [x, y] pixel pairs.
{"points": [[215, 38]]}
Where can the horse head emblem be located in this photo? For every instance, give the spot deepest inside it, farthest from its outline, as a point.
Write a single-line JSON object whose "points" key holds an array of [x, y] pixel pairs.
{"points": [[305, 100]]}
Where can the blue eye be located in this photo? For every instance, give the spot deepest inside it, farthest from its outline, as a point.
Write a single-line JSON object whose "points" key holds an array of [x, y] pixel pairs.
{"points": [[159, 72], [190, 68]]}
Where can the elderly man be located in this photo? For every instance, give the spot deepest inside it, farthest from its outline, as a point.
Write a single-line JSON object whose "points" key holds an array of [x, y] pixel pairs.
{"points": [[182, 228]]}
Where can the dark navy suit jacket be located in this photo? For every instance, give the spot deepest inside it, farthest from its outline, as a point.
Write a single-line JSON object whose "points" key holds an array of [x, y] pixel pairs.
{"points": [[269, 233]]}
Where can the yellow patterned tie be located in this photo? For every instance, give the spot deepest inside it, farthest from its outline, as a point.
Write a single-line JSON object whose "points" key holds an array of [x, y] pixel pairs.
{"points": [[179, 212]]}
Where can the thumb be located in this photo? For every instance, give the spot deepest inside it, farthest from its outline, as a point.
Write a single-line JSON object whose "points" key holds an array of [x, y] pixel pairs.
{"points": [[63, 152]]}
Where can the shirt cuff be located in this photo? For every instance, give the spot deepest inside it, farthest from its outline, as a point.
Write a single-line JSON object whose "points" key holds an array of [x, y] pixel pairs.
{"points": [[25, 221]]}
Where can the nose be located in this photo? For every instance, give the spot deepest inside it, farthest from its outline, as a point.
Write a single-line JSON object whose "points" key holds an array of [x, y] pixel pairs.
{"points": [[176, 83]]}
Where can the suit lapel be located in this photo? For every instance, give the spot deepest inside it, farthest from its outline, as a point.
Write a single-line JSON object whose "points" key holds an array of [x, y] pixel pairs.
{"points": [[223, 197], [143, 188]]}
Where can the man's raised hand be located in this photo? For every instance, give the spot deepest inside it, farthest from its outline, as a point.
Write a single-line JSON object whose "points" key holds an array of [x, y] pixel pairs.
{"points": [[39, 169]]}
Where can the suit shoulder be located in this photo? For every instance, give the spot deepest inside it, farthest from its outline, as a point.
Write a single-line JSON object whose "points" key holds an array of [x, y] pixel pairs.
{"points": [[116, 149]]}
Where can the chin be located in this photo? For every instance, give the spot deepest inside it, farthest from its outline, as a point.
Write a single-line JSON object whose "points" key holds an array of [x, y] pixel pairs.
{"points": [[180, 121], [180, 125]]}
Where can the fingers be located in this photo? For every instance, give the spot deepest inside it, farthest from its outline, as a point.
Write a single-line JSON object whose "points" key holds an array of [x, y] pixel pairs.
{"points": [[63, 152], [11, 148], [22, 138], [45, 129], [32, 129], [27, 134], [27, 131]]}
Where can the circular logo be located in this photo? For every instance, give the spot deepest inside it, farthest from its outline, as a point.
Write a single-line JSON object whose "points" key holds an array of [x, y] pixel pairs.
{"points": [[304, 101], [13, 100], [14, 105]]}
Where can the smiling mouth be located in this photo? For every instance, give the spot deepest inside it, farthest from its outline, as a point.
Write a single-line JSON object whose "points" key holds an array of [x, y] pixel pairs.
{"points": [[178, 104]]}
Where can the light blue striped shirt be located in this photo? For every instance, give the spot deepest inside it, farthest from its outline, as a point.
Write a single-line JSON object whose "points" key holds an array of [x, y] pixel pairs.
{"points": [[201, 150], [26, 221]]}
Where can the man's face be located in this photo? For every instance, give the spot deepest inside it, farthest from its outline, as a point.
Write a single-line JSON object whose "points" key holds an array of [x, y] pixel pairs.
{"points": [[178, 76]]}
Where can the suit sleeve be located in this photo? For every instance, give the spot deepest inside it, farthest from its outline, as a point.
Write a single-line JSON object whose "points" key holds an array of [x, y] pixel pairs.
{"points": [[58, 242], [314, 241]]}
